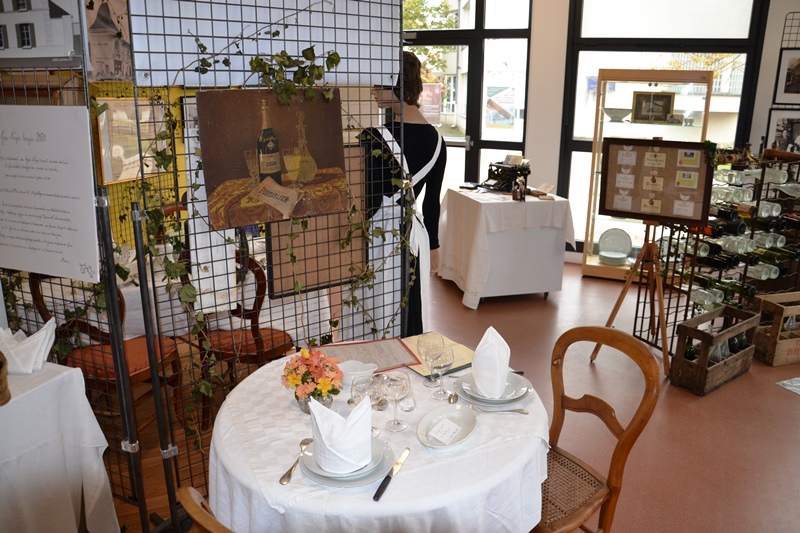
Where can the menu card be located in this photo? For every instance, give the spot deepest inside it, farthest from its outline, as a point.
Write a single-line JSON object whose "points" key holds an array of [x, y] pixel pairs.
{"points": [[386, 353]]}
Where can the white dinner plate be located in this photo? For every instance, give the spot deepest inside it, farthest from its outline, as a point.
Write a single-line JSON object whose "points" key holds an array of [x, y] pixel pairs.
{"points": [[311, 463], [492, 403], [461, 415], [516, 386], [387, 460], [615, 240]]}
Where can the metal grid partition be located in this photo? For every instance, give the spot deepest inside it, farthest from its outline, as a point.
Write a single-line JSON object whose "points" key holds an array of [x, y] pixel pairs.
{"points": [[224, 299], [235, 283]]}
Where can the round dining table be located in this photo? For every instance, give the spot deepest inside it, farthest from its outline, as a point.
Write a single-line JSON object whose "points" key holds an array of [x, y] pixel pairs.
{"points": [[489, 482]]}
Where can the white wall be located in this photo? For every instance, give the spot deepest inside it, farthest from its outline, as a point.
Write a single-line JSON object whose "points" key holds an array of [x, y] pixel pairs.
{"points": [[546, 82], [546, 88], [769, 66]]}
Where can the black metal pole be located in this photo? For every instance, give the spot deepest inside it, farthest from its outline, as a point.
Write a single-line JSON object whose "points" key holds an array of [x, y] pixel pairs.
{"points": [[130, 444], [167, 450]]}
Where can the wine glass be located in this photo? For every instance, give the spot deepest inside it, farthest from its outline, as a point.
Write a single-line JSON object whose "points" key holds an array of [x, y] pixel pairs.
{"points": [[441, 365], [430, 347], [396, 385], [364, 386]]}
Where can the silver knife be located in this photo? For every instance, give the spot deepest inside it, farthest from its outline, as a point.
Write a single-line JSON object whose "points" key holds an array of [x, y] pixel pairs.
{"points": [[390, 475]]}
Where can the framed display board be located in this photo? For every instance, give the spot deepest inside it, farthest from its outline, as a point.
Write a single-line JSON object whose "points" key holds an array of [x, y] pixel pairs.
{"points": [[660, 181]]}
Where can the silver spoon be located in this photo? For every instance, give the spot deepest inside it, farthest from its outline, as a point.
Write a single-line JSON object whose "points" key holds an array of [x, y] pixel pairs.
{"points": [[453, 398], [285, 478]]}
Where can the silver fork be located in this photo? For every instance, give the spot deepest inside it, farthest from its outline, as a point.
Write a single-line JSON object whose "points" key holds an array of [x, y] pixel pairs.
{"points": [[285, 478]]}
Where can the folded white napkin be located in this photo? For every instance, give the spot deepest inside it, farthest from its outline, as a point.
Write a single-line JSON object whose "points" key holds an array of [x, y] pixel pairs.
{"points": [[27, 354], [490, 364], [342, 446]]}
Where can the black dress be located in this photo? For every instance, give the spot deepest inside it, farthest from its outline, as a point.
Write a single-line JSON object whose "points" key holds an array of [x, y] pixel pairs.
{"points": [[418, 143]]}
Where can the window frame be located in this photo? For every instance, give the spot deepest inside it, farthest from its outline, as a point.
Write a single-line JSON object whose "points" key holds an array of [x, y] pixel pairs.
{"points": [[751, 46]]}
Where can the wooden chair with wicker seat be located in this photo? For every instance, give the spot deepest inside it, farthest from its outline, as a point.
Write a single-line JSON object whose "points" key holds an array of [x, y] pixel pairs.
{"points": [[573, 491], [197, 508], [95, 359]]}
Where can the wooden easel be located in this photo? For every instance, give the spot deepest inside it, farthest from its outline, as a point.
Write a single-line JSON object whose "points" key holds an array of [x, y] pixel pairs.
{"points": [[649, 262]]}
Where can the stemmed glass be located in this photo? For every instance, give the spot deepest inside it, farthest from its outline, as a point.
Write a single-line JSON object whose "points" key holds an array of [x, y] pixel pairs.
{"points": [[396, 385], [368, 386], [430, 347], [441, 365]]}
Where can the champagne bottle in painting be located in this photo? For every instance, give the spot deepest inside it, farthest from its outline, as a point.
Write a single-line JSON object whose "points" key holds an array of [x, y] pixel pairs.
{"points": [[308, 166], [269, 153]]}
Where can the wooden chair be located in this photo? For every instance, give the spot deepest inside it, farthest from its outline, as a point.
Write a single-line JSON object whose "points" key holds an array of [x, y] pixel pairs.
{"points": [[573, 491], [197, 508], [248, 345], [96, 361]]}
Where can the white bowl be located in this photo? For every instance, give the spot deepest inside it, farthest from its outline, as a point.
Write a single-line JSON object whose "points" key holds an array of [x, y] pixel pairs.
{"points": [[616, 114], [353, 369]]}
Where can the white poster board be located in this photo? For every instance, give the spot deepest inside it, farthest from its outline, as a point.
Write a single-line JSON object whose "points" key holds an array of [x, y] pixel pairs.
{"points": [[47, 213]]}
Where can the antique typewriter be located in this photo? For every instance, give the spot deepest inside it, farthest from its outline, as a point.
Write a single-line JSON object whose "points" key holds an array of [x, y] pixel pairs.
{"points": [[503, 175]]}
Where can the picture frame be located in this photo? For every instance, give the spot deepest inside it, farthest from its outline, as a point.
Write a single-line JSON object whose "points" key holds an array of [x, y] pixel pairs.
{"points": [[652, 107], [787, 80], [119, 139], [668, 182], [783, 130]]}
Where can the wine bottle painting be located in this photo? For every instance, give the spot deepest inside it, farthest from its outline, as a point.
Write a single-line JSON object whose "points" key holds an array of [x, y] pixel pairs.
{"points": [[264, 161]]}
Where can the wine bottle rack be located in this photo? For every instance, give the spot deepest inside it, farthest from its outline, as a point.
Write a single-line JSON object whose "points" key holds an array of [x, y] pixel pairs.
{"points": [[688, 282]]}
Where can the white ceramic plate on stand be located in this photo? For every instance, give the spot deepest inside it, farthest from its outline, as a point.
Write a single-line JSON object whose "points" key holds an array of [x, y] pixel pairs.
{"points": [[615, 240]]}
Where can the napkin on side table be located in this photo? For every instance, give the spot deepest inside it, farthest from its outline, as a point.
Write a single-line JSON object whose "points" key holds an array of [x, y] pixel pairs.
{"points": [[342, 445], [27, 354], [490, 364]]}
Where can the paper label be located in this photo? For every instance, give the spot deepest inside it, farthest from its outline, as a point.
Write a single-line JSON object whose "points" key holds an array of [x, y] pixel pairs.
{"points": [[444, 431], [622, 202], [625, 181], [686, 180], [653, 183], [651, 206], [689, 158], [683, 208], [655, 160], [626, 158]]}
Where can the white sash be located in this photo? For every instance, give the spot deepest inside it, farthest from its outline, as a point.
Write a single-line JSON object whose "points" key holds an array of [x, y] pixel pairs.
{"points": [[418, 236]]}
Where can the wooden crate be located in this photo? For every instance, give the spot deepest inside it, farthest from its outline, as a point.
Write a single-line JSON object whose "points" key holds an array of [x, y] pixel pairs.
{"points": [[773, 346], [702, 376]]}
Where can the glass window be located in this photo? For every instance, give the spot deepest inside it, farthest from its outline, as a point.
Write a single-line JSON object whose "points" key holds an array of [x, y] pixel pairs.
{"points": [[2, 37], [681, 19], [438, 15], [21, 5], [504, 78], [507, 14], [724, 107], [25, 36]]}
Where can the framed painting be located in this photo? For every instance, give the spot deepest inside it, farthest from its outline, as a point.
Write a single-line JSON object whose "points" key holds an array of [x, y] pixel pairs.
{"points": [[783, 130], [652, 107], [120, 141], [787, 85]]}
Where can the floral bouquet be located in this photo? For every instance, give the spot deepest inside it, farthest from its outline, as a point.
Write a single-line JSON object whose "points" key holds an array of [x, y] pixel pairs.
{"points": [[312, 374]]}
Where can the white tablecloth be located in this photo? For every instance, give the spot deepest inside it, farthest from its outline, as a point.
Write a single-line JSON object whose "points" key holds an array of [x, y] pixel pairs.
{"points": [[489, 483], [50, 447], [468, 218]]}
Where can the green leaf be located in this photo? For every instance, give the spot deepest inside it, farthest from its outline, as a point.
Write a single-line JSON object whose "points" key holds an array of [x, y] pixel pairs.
{"points": [[309, 54], [187, 294]]}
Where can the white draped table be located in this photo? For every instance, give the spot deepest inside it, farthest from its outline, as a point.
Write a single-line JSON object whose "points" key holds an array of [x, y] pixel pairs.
{"points": [[492, 245], [490, 482], [51, 449]]}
